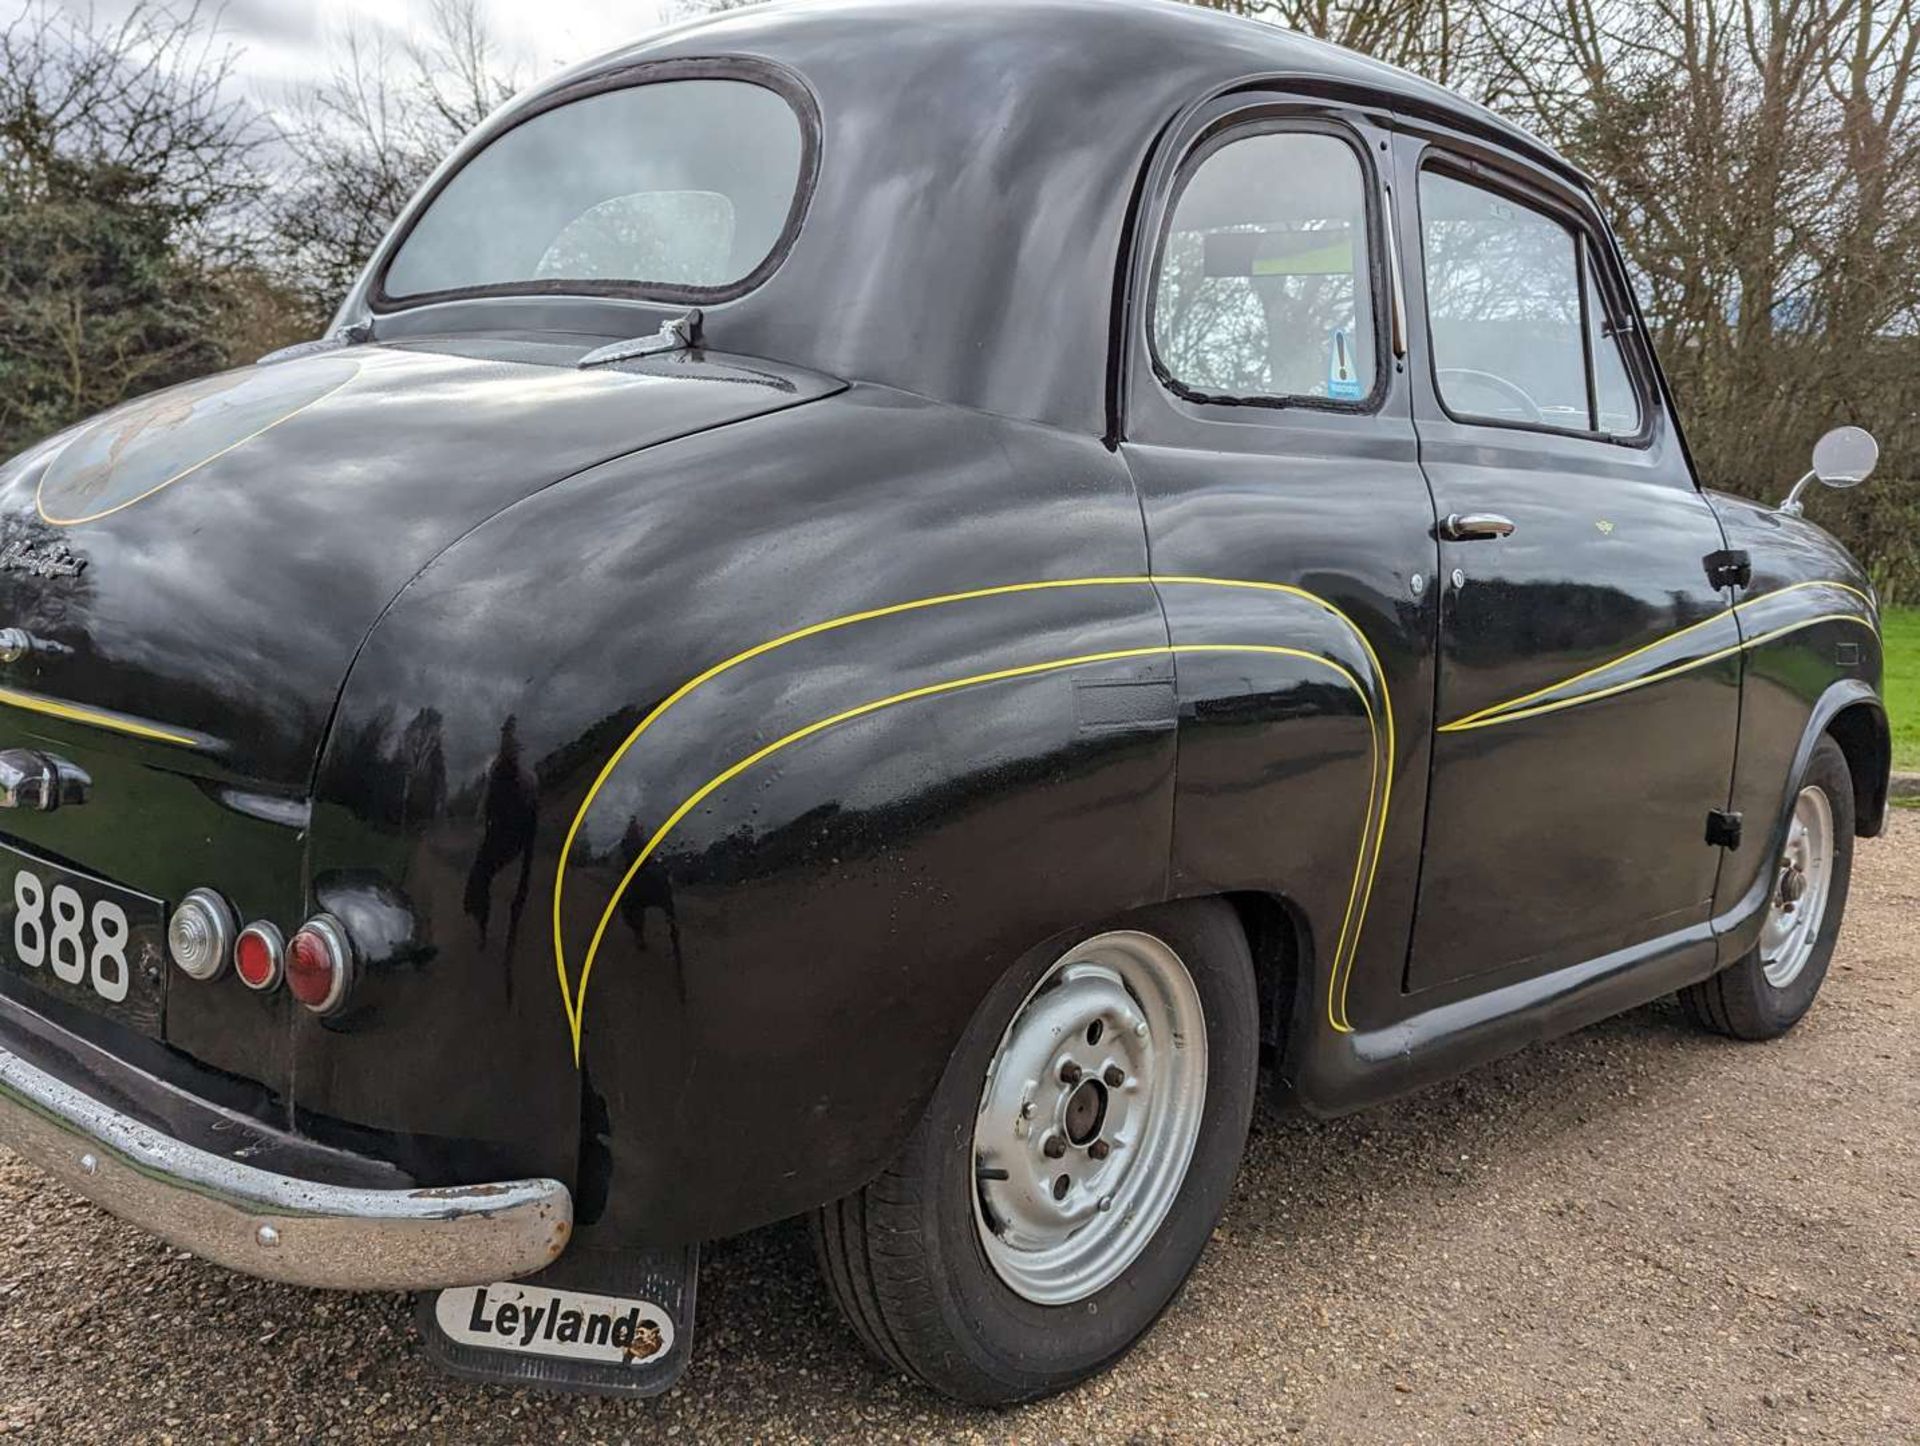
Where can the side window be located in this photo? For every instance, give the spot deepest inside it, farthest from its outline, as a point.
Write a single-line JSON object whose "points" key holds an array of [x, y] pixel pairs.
{"points": [[1264, 285], [1512, 340]]}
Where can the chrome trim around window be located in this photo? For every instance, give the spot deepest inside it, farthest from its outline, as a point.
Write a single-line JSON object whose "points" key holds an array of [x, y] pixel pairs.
{"points": [[1396, 283], [276, 1226]]}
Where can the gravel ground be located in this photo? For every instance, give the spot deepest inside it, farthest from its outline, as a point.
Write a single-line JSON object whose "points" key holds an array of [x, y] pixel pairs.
{"points": [[1638, 1233]]}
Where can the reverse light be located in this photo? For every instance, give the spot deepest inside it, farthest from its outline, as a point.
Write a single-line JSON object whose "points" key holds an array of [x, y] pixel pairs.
{"points": [[200, 934], [320, 964], [260, 956]]}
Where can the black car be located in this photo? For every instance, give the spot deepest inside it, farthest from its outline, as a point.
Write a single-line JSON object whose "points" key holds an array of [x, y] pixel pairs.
{"points": [[886, 612]]}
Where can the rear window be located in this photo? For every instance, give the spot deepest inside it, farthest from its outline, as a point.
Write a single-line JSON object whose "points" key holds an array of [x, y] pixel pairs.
{"points": [[682, 187]]}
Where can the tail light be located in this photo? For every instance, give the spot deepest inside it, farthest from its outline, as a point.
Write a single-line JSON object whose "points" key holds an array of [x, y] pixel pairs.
{"points": [[260, 956], [320, 964], [200, 934]]}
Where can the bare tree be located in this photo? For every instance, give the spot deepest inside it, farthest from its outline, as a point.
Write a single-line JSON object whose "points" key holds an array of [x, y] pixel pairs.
{"points": [[129, 191], [1437, 38], [1761, 161], [367, 137], [148, 98]]}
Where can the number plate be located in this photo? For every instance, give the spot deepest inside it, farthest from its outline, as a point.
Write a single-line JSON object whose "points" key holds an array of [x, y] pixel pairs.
{"points": [[82, 939]]}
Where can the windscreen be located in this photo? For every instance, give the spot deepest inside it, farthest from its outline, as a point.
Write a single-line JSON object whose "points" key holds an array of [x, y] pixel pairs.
{"points": [[683, 185]]}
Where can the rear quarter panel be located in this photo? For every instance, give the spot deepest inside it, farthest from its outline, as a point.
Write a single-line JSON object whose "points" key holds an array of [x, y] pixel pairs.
{"points": [[742, 660]]}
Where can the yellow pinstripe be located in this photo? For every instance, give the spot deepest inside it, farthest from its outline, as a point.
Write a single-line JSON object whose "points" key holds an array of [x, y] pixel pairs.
{"points": [[1382, 770], [1514, 709]]}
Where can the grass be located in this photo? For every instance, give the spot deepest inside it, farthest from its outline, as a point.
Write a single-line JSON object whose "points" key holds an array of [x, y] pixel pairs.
{"points": [[1901, 635]]}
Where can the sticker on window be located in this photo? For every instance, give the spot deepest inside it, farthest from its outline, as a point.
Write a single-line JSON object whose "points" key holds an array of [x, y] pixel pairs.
{"points": [[1343, 382]]}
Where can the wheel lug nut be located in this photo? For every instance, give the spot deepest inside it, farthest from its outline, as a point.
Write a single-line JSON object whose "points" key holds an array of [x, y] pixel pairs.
{"points": [[1106, 1202], [1099, 1149], [1055, 1147], [1070, 1073], [1140, 1029], [1026, 1109], [1115, 1076]]}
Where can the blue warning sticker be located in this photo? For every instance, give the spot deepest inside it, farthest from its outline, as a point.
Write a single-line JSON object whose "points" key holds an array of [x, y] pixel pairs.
{"points": [[1343, 380]]}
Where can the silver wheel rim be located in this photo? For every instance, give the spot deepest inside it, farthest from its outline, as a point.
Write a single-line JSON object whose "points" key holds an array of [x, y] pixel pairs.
{"points": [[1801, 887], [1088, 1117]]}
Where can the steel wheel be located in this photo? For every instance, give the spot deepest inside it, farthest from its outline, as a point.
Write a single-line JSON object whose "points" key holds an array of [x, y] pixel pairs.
{"points": [[956, 1263], [1088, 1117], [1801, 890]]}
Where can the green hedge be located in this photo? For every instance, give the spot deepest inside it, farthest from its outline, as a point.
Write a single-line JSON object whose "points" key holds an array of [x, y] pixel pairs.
{"points": [[1902, 633]]}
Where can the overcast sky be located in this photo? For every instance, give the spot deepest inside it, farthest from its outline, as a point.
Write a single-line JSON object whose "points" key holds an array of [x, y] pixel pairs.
{"points": [[282, 41]]}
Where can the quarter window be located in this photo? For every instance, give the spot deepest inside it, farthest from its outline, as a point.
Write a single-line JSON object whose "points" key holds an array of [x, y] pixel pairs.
{"points": [[1613, 393], [1512, 341], [1263, 291]]}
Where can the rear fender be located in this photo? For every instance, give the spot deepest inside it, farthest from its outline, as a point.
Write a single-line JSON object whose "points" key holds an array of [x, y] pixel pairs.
{"points": [[724, 781]]}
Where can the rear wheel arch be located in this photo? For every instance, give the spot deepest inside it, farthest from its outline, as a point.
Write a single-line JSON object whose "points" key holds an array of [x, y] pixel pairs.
{"points": [[1279, 940]]}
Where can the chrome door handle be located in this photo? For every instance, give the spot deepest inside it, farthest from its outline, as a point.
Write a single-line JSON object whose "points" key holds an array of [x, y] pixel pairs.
{"points": [[35, 780], [1475, 526]]}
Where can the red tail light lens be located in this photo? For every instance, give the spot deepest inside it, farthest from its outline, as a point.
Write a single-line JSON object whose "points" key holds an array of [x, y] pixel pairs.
{"points": [[320, 964], [259, 958]]}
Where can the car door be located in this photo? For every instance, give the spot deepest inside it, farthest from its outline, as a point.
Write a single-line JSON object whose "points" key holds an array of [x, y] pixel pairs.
{"points": [[1585, 713], [1269, 432]]}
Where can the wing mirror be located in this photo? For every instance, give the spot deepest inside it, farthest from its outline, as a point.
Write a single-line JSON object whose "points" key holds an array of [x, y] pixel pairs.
{"points": [[1845, 457]]}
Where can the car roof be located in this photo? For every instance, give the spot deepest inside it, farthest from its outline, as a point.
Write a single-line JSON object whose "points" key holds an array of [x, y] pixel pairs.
{"points": [[977, 167], [836, 42]]}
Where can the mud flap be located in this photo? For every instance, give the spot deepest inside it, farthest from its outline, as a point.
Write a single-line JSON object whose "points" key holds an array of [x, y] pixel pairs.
{"points": [[596, 1322]]}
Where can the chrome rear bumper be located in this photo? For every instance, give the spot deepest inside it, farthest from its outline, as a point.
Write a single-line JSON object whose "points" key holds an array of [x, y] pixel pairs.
{"points": [[277, 1226]]}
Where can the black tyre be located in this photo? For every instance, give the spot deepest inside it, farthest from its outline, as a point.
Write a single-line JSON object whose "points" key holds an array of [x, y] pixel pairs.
{"points": [[1764, 993], [1075, 1158]]}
